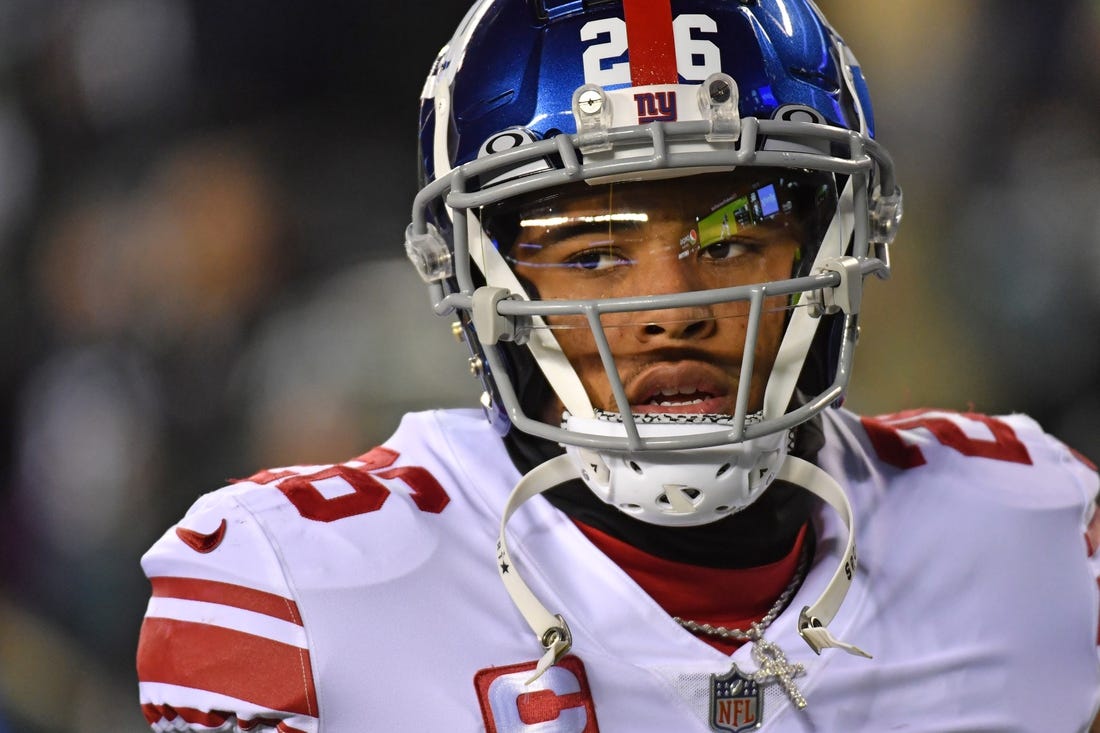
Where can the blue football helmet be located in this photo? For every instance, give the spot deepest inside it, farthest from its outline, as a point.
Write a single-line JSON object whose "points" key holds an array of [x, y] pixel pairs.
{"points": [[544, 122]]}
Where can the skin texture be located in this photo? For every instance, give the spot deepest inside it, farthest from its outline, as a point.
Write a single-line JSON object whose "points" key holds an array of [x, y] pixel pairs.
{"points": [[646, 238]]}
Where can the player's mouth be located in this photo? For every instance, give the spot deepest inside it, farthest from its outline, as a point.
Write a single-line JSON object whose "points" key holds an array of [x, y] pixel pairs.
{"points": [[677, 399], [683, 388]]}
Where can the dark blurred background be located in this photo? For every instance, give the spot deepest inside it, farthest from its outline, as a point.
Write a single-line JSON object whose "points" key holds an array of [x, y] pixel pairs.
{"points": [[202, 207]]}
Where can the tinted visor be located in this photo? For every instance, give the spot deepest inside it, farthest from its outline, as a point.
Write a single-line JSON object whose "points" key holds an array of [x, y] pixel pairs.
{"points": [[654, 286], [636, 238]]}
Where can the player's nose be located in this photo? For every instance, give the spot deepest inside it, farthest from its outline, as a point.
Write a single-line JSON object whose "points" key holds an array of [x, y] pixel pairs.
{"points": [[678, 323]]}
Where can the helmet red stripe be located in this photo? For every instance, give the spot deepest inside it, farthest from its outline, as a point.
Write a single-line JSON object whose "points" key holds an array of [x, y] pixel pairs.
{"points": [[650, 39]]}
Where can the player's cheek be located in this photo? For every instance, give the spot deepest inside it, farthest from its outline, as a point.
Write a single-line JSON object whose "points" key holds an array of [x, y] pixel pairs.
{"points": [[575, 339]]}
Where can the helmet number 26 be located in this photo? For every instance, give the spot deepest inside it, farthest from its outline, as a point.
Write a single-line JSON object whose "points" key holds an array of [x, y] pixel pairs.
{"points": [[607, 61]]}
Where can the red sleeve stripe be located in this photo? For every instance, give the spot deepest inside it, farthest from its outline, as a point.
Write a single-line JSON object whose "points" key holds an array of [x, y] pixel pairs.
{"points": [[227, 594], [213, 719], [651, 42], [266, 673]]}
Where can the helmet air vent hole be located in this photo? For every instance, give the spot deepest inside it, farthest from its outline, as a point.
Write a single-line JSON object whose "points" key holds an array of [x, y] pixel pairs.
{"points": [[635, 467], [722, 469], [691, 494], [724, 508]]}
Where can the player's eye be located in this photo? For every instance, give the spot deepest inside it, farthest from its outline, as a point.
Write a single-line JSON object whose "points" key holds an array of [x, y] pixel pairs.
{"points": [[597, 259], [723, 250]]}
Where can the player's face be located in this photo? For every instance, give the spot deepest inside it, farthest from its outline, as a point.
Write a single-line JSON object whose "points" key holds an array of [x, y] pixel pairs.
{"points": [[658, 237]]}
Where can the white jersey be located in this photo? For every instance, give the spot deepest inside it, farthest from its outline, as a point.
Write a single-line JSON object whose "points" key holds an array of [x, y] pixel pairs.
{"points": [[364, 597]]}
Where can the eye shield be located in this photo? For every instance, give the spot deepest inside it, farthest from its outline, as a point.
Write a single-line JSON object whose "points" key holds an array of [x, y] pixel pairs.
{"points": [[650, 237]]}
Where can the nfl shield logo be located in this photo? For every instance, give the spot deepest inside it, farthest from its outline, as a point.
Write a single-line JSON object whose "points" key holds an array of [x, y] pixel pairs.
{"points": [[736, 703]]}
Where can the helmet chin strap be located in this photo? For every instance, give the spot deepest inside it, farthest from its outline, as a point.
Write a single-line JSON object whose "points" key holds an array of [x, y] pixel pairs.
{"points": [[676, 487], [548, 355], [551, 629], [800, 331]]}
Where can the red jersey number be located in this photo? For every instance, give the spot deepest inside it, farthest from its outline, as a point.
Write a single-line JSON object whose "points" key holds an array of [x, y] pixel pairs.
{"points": [[889, 436], [358, 489]]}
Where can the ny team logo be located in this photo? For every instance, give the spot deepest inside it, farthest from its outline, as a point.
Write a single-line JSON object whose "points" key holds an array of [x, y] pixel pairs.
{"points": [[559, 701], [656, 106], [736, 702]]}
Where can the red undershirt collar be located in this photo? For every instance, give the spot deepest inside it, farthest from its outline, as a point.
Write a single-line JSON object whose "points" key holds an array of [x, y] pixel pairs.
{"points": [[730, 597]]}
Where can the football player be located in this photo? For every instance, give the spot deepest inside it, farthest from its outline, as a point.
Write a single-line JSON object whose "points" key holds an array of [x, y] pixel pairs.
{"points": [[652, 221]]}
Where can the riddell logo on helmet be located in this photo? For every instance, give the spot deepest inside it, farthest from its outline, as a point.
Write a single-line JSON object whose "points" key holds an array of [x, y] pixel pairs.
{"points": [[656, 106]]}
